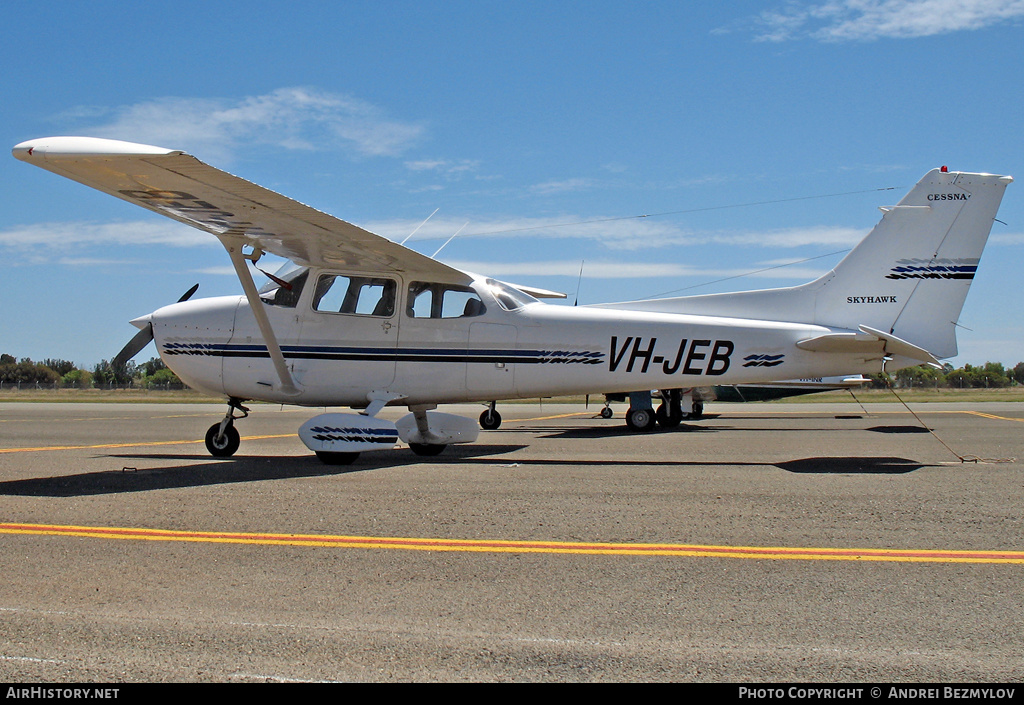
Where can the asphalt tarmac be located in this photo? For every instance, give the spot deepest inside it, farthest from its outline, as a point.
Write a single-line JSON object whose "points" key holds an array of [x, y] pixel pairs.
{"points": [[806, 543]]}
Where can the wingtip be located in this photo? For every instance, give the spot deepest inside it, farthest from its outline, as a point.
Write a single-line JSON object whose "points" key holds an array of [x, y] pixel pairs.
{"points": [[50, 148]]}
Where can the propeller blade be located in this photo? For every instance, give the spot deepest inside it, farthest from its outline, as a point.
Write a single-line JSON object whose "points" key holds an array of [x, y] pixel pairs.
{"points": [[144, 336], [188, 294], [134, 345]]}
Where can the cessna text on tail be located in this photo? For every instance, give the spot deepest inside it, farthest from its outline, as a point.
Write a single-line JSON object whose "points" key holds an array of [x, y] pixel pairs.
{"points": [[357, 320]]}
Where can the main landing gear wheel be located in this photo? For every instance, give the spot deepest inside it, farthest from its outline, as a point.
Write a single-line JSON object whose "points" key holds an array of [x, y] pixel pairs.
{"points": [[666, 418], [697, 413], [328, 458], [640, 419], [489, 420], [222, 445], [426, 448]]}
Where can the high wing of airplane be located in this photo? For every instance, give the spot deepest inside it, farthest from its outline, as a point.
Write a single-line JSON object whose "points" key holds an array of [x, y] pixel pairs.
{"points": [[359, 321]]}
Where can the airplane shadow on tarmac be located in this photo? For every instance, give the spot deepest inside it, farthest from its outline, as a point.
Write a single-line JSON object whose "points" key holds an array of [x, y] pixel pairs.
{"points": [[222, 471], [259, 468], [852, 466], [619, 430]]}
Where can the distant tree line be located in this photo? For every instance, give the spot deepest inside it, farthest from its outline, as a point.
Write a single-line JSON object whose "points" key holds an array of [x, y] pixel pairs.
{"points": [[153, 374], [991, 375]]}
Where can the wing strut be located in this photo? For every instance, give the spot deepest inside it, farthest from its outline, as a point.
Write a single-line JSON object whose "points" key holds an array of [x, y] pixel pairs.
{"points": [[238, 258]]}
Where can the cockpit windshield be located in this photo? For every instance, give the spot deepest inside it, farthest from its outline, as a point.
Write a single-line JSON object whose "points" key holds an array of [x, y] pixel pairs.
{"points": [[285, 286], [509, 298]]}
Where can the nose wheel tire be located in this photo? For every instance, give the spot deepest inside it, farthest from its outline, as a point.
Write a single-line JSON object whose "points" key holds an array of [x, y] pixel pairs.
{"points": [[225, 445], [426, 448], [328, 458], [606, 412], [490, 420]]}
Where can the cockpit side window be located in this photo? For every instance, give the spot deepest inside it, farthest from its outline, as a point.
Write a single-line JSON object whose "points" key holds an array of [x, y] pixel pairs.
{"points": [[361, 296], [433, 300], [285, 287]]}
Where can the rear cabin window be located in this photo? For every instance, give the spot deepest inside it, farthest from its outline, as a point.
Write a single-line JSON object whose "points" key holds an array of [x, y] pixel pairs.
{"points": [[430, 300], [361, 296]]}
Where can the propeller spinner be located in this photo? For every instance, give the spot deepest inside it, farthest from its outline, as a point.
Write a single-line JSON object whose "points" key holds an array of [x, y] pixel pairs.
{"points": [[144, 336]]}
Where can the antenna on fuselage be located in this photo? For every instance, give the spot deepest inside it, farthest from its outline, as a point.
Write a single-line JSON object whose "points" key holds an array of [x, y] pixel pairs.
{"points": [[578, 282], [449, 240], [419, 226]]}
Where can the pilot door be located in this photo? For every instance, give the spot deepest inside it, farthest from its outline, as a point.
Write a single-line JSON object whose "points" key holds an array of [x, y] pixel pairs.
{"points": [[349, 335]]}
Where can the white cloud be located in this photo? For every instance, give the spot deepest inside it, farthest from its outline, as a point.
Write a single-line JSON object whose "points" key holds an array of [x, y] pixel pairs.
{"points": [[290, 118], [794, 237], [225, 271], [866, 20], [72, 234], [635, 233], [443, 166], [549, 188], [615, 233], [76, 243], [1007, 239], [93, 262], [76, 240], [623, 270]]}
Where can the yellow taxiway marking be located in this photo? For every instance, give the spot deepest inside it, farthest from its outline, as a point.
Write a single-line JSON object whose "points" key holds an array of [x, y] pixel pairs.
{"points": [[131, 445], [993, 416], [497, 546], [116, 418], [870, 413], [556, 416]]}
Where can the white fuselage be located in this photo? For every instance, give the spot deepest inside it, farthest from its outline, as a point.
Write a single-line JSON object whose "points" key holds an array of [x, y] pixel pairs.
{"points": [[534, 350]]}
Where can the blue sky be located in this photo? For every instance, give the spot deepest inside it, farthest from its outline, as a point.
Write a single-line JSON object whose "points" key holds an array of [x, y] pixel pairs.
{"points": [[519, 120]]}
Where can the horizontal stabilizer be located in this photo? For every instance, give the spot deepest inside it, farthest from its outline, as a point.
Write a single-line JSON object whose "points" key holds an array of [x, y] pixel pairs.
{"points": [[872, 343]]}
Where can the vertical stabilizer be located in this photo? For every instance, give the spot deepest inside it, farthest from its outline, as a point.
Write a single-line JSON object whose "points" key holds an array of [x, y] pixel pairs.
{"points": [[911, 274], [909, 277]]}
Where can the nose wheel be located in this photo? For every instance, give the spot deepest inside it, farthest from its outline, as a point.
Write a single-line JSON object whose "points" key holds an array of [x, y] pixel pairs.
{"points": [[222, 444], [490, 419], [222, 439]]}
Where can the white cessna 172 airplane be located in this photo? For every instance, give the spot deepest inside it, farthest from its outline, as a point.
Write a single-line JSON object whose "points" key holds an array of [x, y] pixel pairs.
{"points": [[357, 320]]}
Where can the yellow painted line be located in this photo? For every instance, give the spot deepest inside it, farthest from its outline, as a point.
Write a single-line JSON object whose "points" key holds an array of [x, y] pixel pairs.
{"points": [[557, 416], [993, 416], [493, 546], [116, 418], [41, 449], [870, 413]]}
